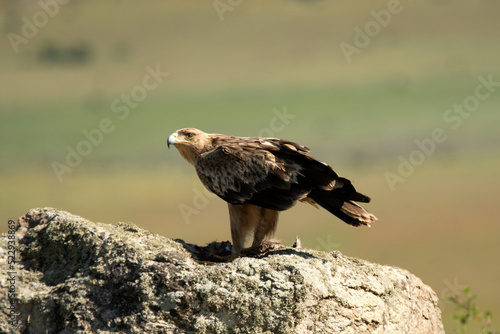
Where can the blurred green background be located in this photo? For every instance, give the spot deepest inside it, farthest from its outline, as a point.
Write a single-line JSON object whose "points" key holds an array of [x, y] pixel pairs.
{"points": [[273, 68]]}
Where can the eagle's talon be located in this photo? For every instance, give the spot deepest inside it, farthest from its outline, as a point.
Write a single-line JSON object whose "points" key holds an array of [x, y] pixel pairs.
{"points": [[252, 250], [226, 258]]}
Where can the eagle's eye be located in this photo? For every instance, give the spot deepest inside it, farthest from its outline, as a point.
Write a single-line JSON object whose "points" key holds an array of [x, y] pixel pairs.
{"points": [[189, 135]]}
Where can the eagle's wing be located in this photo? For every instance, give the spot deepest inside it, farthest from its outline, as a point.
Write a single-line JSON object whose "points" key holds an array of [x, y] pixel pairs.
{"points": [[267, 172]]}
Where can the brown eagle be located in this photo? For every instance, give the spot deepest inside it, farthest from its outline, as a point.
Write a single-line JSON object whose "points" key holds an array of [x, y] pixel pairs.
{"points": [[259, 177]]}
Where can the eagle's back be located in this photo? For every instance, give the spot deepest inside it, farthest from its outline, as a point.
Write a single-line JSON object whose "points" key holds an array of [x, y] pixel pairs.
{"points": [[267, 172]]}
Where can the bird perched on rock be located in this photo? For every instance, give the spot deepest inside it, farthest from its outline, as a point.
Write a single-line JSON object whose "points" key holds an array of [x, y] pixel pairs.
{"points": [[259, 177]]}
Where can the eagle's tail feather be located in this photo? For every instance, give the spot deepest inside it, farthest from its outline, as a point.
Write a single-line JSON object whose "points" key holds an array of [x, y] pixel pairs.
{"points": [[347, 210], [356, 214]]}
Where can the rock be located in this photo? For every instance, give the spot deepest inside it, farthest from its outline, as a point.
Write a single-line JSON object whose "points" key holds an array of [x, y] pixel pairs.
{"points": [[76, 276]]}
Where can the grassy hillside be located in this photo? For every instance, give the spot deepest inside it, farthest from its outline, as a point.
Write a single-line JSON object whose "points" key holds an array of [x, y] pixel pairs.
{"points": [[264, 69]]}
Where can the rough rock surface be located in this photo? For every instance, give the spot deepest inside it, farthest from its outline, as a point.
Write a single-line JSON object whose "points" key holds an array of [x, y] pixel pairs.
{"points": [[78, 276]]}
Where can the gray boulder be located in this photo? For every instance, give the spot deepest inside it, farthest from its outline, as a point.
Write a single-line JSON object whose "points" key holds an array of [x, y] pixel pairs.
{"points": [[76, 276]]}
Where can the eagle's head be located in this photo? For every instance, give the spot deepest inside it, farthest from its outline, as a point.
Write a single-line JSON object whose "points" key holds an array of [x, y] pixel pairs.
{"points": [[190, 142]]}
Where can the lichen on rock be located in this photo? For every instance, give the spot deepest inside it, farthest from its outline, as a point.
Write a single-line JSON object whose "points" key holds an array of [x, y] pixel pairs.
{"points": [[80, 276]]}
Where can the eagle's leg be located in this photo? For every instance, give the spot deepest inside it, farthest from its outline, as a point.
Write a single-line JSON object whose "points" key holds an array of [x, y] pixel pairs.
{"points": [[244, 218], [266, 227]]}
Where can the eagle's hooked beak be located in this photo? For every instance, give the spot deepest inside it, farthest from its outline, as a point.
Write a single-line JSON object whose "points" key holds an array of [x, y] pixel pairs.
{"points": [[172, 139]]}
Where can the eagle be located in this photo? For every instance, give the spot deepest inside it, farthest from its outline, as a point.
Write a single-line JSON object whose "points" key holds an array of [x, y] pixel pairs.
{"points": [[260, 177]]}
